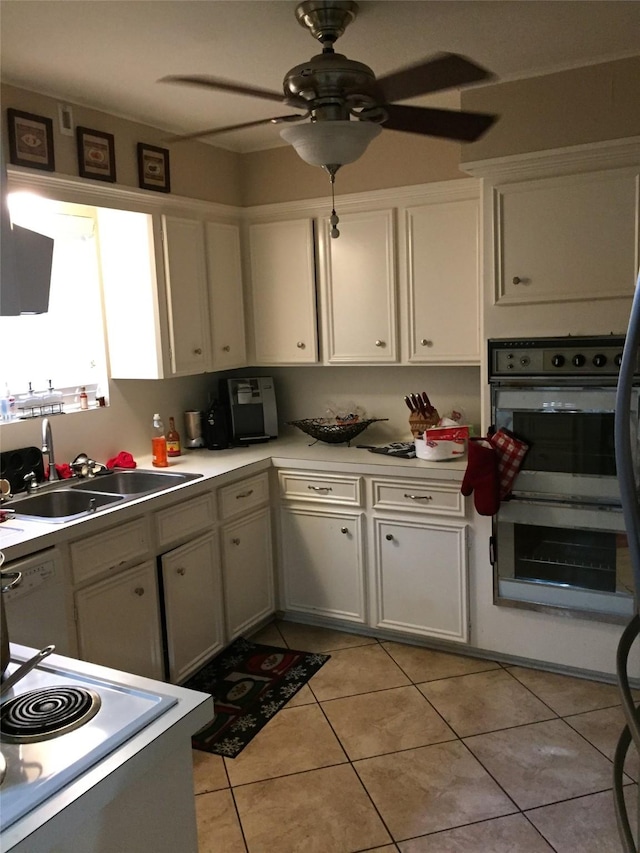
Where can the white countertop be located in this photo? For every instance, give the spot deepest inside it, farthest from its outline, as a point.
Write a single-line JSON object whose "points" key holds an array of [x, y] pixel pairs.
{"points": [[21, 536]]}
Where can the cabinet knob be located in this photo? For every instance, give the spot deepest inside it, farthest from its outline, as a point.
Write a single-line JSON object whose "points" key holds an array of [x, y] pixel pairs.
{"points": [[181, 571], [389, 537], [516, 279], [425, 342], [300, 344], [344, 530], [139, 590], [235, 541], [380, 343], [226, 348], [197, 351]]}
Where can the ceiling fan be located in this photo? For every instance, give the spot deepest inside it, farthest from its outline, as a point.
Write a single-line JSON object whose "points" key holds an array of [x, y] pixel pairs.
{"points": [[346, 104]]}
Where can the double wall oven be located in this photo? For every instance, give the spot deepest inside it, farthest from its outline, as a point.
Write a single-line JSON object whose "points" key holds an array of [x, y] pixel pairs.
{"points": [[559, 542]]}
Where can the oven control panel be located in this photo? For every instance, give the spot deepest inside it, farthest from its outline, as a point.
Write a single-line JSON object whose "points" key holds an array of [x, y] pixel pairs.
{"points": [[549, 357]]}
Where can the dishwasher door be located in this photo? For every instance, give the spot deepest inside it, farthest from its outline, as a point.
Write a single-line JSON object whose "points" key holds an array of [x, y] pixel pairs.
{"points": [[39, 611]]}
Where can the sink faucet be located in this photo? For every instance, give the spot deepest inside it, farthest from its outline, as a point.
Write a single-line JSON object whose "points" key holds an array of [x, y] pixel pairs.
{"points": [[47, 447]]}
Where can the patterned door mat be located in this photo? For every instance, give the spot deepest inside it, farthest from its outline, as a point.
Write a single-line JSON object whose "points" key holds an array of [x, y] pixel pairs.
{"points": [[250, 683]]}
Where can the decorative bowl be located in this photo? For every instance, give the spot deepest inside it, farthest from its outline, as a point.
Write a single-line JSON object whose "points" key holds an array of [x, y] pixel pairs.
{"points": [[332, 432]]}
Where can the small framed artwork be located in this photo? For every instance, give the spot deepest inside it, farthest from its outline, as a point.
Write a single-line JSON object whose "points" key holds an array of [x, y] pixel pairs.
{"points": [[96, 154], [153, 168], [30, 140]]}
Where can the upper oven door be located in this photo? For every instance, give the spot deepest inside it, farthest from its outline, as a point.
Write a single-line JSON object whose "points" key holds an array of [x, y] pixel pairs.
{"points": [[570, 432]]}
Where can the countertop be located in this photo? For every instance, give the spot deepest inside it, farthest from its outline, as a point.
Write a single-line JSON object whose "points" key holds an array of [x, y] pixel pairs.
{"points": [[22, 536]]}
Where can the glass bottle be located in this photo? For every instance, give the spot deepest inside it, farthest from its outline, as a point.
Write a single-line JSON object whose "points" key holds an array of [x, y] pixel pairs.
{"points": [[173, 439], [159, 444], [84, 399]]}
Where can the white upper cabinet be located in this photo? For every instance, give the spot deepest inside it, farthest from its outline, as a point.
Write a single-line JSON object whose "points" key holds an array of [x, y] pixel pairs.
{"points": [[567, 238], [283, 297], [187, 301], [442, 282], [358, 276], [226, 306]]}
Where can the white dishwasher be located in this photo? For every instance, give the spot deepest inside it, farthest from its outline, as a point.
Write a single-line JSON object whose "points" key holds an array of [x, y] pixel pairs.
{"points": [[36, 610]]}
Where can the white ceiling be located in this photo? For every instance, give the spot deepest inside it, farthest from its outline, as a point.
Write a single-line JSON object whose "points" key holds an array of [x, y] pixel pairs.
{"points": [[109, 54]]}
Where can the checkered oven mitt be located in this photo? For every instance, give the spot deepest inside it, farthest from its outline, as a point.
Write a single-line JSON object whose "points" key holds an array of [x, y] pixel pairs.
{"points": [[510, 452]]}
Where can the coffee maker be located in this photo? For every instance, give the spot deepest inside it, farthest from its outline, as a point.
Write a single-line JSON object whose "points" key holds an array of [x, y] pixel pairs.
{"points": [[250, 403]]}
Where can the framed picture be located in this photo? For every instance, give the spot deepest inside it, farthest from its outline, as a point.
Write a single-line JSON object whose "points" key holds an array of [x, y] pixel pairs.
{"points": [[30, 140], [153, 168], [96, 154]]}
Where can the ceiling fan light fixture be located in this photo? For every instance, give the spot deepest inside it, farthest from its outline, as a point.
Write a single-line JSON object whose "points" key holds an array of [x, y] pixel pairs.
{"points": [[331, 142]]}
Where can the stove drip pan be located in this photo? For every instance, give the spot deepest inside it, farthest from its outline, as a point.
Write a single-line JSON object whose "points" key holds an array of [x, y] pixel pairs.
{"points": [[47, 713]]}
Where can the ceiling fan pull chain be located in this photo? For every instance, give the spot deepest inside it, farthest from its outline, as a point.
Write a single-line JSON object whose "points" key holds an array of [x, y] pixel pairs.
{"points": [[334, 216]]}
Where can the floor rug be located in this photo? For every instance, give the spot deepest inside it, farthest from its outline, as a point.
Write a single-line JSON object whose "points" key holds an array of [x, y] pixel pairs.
{"points": [[249, 683]]}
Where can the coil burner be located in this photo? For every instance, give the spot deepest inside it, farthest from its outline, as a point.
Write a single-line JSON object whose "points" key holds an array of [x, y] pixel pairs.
{"points": [[47, 713]]}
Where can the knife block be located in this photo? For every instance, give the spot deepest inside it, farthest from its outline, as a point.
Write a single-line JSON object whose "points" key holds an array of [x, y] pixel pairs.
{"points": [[418, 423]]}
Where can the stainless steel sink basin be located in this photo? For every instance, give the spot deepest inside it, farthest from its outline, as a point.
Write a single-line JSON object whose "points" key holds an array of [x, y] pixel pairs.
{"points": [[135, 482], [62, 504]]}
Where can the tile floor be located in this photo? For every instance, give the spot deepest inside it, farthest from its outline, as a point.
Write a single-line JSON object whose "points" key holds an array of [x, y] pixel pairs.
{"points": [[391, 747]]}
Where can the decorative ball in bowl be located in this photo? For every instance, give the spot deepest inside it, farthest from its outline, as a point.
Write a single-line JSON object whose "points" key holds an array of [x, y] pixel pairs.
{"points": [[331, 431]]}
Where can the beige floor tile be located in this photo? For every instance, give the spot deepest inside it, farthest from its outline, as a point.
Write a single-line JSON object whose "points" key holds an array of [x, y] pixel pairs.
{"points": [[566, 694], [304, 696], [353, 671], [602, 729], [269, 635], [312, 638], [484, 702], [208, 772], [218, 826], [321, 811], [296, 739], [542, 763], [427, 665], [431, 788], [385, 721], [585, 825], [511, 834]]}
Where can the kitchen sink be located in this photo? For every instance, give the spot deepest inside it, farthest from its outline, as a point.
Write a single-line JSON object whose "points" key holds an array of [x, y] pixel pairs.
{"points": [[62, 505], [135, 482]]}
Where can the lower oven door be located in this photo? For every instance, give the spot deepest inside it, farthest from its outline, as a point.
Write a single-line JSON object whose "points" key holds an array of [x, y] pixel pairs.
{"points": [[565, 557]]}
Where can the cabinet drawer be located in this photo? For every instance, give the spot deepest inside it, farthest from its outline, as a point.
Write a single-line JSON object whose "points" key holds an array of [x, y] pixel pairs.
{"points": [[323, 488], [180, 521], [243, 496], [423, 496], [109, 550]]}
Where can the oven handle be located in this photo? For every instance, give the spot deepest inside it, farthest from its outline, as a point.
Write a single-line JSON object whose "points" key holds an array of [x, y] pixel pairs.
{"points": [[492, 550]]}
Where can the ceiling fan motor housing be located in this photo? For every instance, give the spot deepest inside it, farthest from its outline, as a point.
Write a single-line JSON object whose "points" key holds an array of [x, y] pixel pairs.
{"points": [[326, 19], [332, 76]]}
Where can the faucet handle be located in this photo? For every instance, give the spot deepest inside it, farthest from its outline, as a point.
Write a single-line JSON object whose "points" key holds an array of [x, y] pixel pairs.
{"points": [[31, 481]]}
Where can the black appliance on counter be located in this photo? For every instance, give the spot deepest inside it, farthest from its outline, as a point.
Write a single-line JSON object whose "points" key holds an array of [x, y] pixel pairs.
{"points": [[250, 403], [215, 427]]}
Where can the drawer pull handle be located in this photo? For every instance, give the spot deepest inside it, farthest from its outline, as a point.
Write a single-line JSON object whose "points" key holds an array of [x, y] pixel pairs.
{"points": [[244, 494], [235, 541], [389, 537], [419, 497], [181, 571], [139, 590], [344, 530], [320, 488]]}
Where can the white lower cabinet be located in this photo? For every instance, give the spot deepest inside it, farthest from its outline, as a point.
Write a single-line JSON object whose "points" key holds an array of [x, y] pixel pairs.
{"points": [[119, 622], [192, 585], [323, 562], [248, 571], [420, 577]]}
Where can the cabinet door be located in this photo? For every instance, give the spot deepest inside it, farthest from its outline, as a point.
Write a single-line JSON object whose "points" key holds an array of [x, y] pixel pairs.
{"points": [[443, 282], [421, 578], [567, 238], [224, 274], [119, 622], [359, 289], [193, 605], [322, 562], [283, 293], [248, 571], [187, 302]]}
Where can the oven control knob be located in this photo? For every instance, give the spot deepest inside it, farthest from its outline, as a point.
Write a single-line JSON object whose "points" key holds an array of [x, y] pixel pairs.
{"points": [[557, 360], [618, 359], [578, 360], [599, 360], [525, 360]]}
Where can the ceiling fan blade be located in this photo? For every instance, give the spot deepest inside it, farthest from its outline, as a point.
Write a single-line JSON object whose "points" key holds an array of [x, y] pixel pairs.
{"points": [[449, 124], [223, 86], [444, 71], [213, 131]]}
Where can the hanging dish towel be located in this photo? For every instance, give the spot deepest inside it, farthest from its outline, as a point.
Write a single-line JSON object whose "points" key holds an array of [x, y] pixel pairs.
{"points": [[510, 452]]}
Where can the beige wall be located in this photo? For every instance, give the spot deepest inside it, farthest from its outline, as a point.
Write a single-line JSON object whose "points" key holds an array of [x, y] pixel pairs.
{"points": [[197, 170], [589, 104]]}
